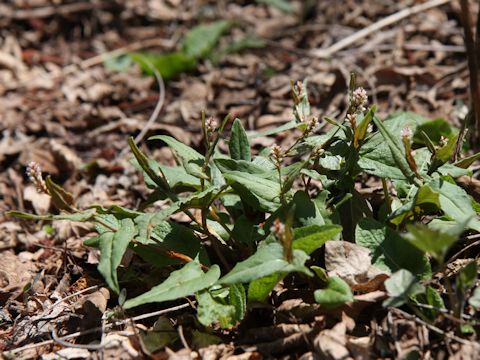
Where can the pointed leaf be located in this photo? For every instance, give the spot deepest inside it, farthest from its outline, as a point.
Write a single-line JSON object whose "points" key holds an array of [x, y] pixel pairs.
{"points": [[266, 261], [112, 248], [81, 216], [184, 282], [191, 160], [239, 145], [311, 238]]}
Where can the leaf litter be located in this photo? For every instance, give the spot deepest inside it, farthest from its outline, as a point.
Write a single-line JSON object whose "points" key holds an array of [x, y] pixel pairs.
{"points": [[74, 120]]}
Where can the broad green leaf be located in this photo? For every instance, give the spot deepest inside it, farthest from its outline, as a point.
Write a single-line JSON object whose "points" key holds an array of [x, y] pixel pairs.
{"points": [[394, 143], [191, 160], [435, 242], [283, 5], [400, 287], [311, 238], [179, 179], [171, 236], [306, 211], [201, 39], [80, 216], [112, 248], [268, 260], [230, 165], [239, 145], [389, 251], [168, 65], [455, 203], [335, 294], [259, 289], [258, 192], [184, 282], [376, 156], [199, 199]]}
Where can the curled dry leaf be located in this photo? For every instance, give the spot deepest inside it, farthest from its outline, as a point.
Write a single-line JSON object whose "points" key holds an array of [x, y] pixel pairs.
{"points": [[353, 263]]}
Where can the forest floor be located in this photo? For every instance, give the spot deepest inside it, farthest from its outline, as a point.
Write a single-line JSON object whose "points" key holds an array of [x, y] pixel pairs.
{"points": [[64, 107]]}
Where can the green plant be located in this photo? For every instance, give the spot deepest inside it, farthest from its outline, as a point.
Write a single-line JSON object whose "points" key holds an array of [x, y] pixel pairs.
{"points": [[255, 218]]}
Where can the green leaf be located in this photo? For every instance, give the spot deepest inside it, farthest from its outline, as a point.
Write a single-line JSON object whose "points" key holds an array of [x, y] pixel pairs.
{"points": [[201, 39], [445, 152], [311, 238], [335, 294], [149, 166], [465, 163], [210, 311], [168, 65], [435, 242], [400, 287], [362, 127], [112, 248], [268, 260], [256, 191], [389, 251], [394, 143], [230, 165], [191, 160], [283, 5], [184, 282], [239, 145], [259, 289], [80, 216], [455, 203], [306, 211], [376, 156], [467, 277], [426, 201], [171, 236]]}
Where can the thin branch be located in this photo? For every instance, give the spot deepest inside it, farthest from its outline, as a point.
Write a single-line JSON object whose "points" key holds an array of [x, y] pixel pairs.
{"points": [[389, 20]]}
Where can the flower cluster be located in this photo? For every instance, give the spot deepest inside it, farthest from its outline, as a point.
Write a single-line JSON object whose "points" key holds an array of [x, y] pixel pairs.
{"points": [[277, 154], [34, 173], [312, 124], [359, 100]]}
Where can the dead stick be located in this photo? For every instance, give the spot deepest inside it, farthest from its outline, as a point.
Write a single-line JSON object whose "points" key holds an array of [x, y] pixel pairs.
{"points": [[389, 20]]}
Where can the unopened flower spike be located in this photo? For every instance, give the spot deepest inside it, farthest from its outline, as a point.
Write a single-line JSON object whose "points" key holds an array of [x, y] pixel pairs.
{"points": [[34, 173], [312, 124]]}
